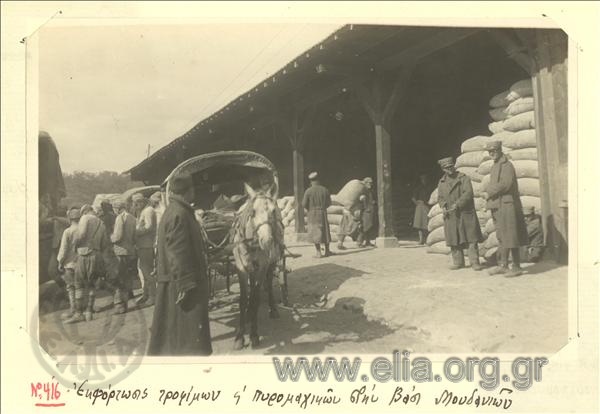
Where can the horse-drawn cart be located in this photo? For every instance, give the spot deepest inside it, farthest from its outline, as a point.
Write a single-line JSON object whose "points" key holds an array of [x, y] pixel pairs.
{"points": [[222, 182]]}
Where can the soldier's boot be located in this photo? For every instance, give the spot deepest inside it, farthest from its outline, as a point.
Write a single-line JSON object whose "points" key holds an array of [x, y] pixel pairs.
{"points": [[120, 301], [151, 291], [360, 240], [502, 267], [69, 314], [89, 311], [421, 237], [474, 257], [78, 315], [458, 258], [477, 266], [516, 269], [498, 270], [318, 254]]}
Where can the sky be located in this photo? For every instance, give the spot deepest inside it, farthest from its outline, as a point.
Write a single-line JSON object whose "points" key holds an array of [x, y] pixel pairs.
{"points": [[107, 92]]}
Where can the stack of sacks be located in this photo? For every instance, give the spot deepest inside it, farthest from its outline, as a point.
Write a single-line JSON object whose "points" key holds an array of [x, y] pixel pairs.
{"points": [[473, 149], [516, 131], [435, 239], [286, 207]]}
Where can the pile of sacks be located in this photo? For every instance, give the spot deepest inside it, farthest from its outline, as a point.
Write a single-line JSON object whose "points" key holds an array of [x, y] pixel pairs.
{"points": [[435, 226], [513, 123], [287, 208]]}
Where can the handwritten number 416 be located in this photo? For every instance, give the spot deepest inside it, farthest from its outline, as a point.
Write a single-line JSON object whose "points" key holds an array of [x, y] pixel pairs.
{"points": [[48, 389]]}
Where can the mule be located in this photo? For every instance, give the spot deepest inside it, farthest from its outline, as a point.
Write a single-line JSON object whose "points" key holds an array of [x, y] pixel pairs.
{"points": [[258, 247]]}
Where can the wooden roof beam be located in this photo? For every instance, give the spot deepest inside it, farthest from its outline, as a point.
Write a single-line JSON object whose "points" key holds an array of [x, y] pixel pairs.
{"points": [[323, 95], [445, 38], [513, 48]]}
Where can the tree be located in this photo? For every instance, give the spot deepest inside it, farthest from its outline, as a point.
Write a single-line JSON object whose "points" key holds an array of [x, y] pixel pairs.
{"points": [[83, 186]]}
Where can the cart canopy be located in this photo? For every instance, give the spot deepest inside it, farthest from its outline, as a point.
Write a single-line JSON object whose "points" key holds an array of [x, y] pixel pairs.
{"points": [[225, 172]]}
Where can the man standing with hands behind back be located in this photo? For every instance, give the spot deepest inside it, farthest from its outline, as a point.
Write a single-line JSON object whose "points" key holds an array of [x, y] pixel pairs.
{"points": [[180, 325], [461, 225]]}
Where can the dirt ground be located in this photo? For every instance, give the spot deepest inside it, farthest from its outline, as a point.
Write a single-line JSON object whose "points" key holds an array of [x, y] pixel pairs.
{"points": [[364, 301]]}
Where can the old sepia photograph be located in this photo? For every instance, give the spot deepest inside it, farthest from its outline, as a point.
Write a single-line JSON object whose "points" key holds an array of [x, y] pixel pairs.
{"points": [[302, 189]]}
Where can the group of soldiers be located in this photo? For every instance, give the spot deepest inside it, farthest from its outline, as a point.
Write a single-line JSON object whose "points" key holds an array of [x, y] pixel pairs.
{"points": [[519, 231], [105, 248], [358, 222], [516, 235]]}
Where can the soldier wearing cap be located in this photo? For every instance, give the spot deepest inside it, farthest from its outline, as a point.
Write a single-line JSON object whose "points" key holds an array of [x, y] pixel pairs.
{"points": [[145, 237], [180, 325], [123, 239], [316, 200], [91, 243], [368, 215], [461, 225], [535, 249], [67, 259], [507, 212]]}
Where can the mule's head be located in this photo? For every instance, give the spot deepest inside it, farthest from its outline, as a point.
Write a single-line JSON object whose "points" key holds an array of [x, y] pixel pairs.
{"points": [[265, 218]]}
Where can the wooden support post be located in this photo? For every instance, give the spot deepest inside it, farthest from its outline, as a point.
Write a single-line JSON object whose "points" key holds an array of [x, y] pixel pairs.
{"points": [[380, 97], [383, 148], [295, 124], [549, 86], [298, 165]]}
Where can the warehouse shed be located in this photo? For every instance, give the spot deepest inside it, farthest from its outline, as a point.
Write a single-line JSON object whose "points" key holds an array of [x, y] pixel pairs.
{"points": [[387, 102]]}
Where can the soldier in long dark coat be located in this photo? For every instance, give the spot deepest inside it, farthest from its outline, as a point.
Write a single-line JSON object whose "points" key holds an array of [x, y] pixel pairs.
{"points": [[461, 225], [507, 212], [316, 200], [180, 325]]}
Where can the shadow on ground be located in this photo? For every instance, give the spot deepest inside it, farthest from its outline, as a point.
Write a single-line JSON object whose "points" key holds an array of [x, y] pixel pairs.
{"points": [[541, 267], [311, 323]]}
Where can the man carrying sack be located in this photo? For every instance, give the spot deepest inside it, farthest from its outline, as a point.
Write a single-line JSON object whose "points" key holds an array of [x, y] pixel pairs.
{"points": [[507, 212], [461, 226]]}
